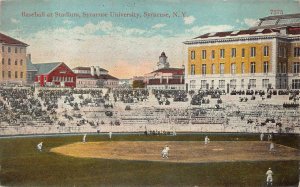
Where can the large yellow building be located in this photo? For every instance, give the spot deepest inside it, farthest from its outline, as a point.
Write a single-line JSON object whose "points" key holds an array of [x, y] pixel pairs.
{"points": [[267, 56], [13, 60]]}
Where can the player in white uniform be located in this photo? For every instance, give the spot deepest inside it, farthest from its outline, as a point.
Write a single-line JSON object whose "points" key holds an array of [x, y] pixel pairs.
{"points": [[165, 152], [272, 148], [40, 146], [262, 137], [84, 137], [110, 134], [206, 140], [269, 177]]}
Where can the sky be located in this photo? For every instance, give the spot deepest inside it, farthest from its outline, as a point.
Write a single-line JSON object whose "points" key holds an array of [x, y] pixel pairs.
{"points": [[92, 33]]}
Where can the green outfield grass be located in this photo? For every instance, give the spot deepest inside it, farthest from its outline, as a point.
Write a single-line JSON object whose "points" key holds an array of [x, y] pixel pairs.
{"points": [[22, 165]]}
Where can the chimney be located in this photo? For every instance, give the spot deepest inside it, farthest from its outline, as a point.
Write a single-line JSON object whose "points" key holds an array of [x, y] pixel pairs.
{"points": [[283, 31], [92, 70], [98, 70], [29, 57]]}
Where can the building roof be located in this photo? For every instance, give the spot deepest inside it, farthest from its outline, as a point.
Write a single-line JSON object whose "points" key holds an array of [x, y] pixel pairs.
{"points": [[174, 71], [89, 76], [238, 33], [87, 68], [45, 68], [11, 41], [278, 21]]}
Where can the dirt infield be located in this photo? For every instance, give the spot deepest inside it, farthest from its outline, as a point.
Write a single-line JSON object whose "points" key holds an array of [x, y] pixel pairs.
{"points": [[180, 151]]}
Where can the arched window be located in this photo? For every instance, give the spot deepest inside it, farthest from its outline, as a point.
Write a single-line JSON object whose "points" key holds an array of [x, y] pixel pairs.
{"points": [[8, 61], [16, 62]]}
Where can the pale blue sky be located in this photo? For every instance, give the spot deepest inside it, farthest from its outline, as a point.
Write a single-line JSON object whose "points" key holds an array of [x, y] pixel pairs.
{"points": [[130, 44]]}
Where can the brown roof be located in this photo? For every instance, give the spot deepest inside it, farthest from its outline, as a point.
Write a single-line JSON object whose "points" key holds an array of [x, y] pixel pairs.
{"points": [[237, 33], [89, 76], [293, 30], [9, 40], [175, 71]]}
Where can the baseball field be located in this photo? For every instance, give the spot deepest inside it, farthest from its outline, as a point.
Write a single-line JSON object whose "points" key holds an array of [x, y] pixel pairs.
{"points": [[135, 160]]}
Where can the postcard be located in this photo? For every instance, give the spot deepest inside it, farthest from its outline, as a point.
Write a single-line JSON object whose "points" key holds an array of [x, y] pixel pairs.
{"points": [[149, 93]]}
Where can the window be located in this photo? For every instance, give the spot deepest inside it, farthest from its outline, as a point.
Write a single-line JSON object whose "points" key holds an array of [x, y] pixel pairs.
{"points": [[21, 62], [2, 61], [252, 83], [233, 52], [296, 84], [233, 83], [16, 50], [252, 67], [222, 53], [266, 50], [221, 83], [212, 84], [243, 52], [192, 55], [233, 68], [243, 68], [213, 54], [253, 52], [8, 61], [282, 52], [193, 84], [296, 51], [9, 74], [296, 67], [192, 69], [203, 84], [16, 74], [21, 75], [283, 67], [8, 49], [213, 69], [2, 48], [221, 68], [242, 83], [266, 67], [265, 83], [203, 69], [203, 54], [16, 62]]}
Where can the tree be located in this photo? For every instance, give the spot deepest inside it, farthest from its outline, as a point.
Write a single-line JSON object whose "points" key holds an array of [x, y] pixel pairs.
{"points": [[138, 84]]}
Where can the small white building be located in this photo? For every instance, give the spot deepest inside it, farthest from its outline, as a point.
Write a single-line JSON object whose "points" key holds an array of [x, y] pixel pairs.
{"points": [[93, 77]]}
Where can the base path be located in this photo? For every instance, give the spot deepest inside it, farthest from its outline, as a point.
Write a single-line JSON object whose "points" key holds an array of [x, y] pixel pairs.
{"points": [[180, 151]]}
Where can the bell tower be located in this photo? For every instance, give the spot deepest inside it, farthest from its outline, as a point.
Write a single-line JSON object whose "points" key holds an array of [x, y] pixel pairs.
{"points": [[163, 61]]}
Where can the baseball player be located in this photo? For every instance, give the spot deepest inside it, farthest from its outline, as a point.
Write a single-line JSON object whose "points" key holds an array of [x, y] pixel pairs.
{"points": [[40, 146], [269, 177], [84, 137]]}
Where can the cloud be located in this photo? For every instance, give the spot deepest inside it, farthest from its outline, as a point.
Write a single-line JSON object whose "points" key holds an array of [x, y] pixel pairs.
{"points": [[13, 20], [189, 20], [197, 30], [125, 52], [250, 22], [158, 26], [68, 22]]}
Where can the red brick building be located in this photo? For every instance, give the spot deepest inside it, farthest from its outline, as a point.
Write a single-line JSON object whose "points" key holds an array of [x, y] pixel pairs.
{"points": [[55, 74]]}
